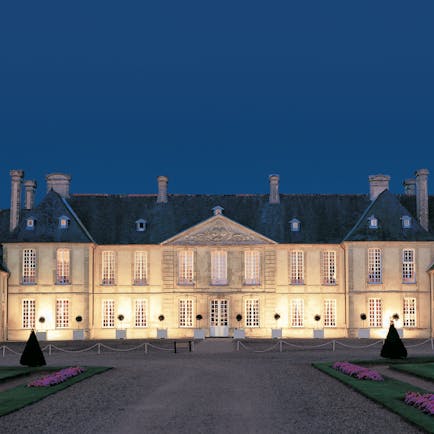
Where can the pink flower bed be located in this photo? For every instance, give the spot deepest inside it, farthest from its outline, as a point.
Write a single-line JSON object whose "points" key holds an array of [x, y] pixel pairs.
{"points": [[424, 402], [56, 377], [356, 371]]}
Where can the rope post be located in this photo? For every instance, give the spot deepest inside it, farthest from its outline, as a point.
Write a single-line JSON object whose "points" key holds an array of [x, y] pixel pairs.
{"points": [[432, 344], [192, 346], [146, 348], [4, 349], [99, 348], [174, 347], [238, 345], [280, 346], [334, 345], [49, 349]]}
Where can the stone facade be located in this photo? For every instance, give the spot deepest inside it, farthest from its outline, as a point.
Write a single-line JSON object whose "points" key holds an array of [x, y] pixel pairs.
{"points": [[65, 282]]}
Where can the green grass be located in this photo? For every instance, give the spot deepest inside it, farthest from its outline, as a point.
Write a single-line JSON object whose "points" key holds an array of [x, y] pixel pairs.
{"points": [[9, 372], [388, 393], [422, 370], [18, 397]]}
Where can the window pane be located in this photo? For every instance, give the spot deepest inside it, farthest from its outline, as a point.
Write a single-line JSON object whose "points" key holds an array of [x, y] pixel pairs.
{"points": [[141, 313], [330, 313], [297, 313], [28, 314], [374, 266], [252, 267], [409, 312], [63, 266], [108, 313], [185, 313], [408, 274], [219, 267], [296, 263], [185, 267], [328, 267], [62, 313], [29, 266], [375, 312], [252, 312], [140, 268], [108, 268]]}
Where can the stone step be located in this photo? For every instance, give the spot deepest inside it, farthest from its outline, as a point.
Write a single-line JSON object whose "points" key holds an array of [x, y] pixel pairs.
{"points": [[215, 345]]}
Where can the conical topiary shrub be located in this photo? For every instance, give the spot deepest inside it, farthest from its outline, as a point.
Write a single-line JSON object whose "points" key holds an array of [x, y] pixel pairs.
{"points": [[32, 354], [393, 348]]}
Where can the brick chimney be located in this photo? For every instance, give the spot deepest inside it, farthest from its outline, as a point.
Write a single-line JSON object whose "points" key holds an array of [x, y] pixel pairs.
{"points": [[16, 181], [274, 189], [59, 182], [409, 187], [162, 189], [422, 197], [377, 184], [30, 190]]}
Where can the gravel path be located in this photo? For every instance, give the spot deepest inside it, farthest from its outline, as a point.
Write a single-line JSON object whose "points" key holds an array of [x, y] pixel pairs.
{"points": [[226, 392]]}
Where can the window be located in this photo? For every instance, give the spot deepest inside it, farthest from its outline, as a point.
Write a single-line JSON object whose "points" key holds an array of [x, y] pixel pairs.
{"points": [[141, 225], [408, 274], [219, 269], [328, 267], [63, 267], [108, 313], [373, 222], [295, 225], [141, 313], [30, 223], [330, 313], [296, 265], [374, 265], [252, 267], [28, 314], [409, 310], [186, 267], [140, 268], [62, 313], [63, 222], [252, 312], [375, 312], [108, 268], [185, 313], [297, 312], [406, 221], [29, 266]]}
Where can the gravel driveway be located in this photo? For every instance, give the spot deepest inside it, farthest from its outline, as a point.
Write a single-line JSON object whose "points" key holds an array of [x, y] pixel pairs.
{"points": [[206, 392]]}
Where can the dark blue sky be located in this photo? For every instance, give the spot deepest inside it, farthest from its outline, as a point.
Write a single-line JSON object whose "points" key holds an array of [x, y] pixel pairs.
{"points": [[216, 95]]}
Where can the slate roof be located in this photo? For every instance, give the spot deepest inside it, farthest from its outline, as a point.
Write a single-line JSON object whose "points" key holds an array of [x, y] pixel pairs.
{"points": [[388, 210], [325, 218]]}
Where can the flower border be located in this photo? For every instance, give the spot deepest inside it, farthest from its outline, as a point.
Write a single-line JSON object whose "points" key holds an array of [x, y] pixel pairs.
{"points": [[56, 377]]}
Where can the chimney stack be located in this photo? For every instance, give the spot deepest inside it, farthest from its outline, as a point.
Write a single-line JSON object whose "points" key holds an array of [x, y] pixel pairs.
{"points": [[16, 181], [274, 189], [59, 182], [377, 184], [409, 187], [422, 197], [162, 189], [30, 190]]}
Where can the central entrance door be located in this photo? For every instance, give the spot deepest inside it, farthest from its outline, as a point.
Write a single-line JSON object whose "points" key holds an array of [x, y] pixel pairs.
{"points": [[218, 317]]}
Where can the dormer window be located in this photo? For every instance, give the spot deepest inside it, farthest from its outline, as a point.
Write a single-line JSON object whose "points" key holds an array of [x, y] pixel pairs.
{"points": [[30, 223], [373, 222], [295, 225], [63, 222], [141, 225], [406, 221]]}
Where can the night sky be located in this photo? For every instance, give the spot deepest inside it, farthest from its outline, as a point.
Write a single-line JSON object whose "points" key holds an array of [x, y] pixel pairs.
{"points": [[216, 95]]}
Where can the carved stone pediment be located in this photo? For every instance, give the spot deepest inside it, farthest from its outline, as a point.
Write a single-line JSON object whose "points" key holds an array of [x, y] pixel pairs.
{"points": [[218, 230]]}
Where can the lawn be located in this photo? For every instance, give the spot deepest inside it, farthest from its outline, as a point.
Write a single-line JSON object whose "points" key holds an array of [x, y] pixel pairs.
{"points": [[422, 370], [389, 393], [20, 396]]}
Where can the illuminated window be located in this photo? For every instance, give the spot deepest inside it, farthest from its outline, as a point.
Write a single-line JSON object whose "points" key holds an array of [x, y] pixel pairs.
{"points": [[373, 222], [62, 313], [328, 267], [141, 313], [185, 313], [63, 222], [408, 266], [330, 313], [63, 266], [219, 269], [30, 223], [108, 313], [374, 265], [186, 267], [108, 268], [296, 267], [409, 310], [29, 266], [252, 267], [28, 314], [140, 268], [297, 312], [252, 312], [375, 312]]}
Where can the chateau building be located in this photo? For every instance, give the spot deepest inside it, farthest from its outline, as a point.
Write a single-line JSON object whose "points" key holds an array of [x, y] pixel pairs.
{"points": [[100, 266]]}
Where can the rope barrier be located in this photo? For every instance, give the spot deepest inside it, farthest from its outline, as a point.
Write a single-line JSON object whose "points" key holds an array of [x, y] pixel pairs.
{"points": [[358, 346], [307, 346], [258, 351], [73, 351]]}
